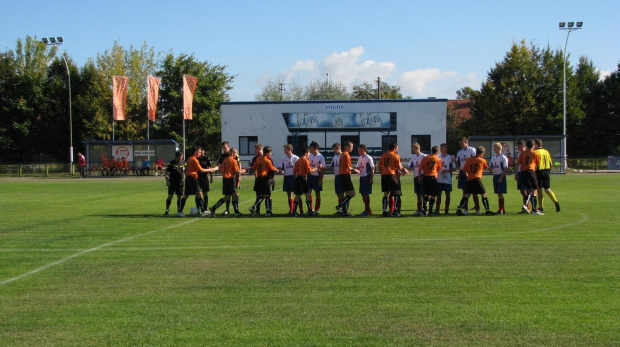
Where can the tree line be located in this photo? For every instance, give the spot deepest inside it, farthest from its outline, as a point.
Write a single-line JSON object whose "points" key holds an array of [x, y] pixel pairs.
{"points": [[34, 99], [522, 94]]}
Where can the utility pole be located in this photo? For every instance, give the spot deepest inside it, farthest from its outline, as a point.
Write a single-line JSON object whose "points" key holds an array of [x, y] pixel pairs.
{"points": [[378, 87], [281, 89]]}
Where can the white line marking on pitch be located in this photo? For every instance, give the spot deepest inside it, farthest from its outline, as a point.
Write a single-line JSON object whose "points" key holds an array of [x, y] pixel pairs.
{"points": [[90, 250]]}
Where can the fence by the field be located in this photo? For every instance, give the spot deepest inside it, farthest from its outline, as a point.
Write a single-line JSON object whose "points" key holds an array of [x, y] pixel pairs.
{"points": [[591, 164]]}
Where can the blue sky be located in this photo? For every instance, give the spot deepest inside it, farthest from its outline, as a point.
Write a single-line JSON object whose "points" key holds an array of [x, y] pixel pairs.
{"points": [[428, 48]]}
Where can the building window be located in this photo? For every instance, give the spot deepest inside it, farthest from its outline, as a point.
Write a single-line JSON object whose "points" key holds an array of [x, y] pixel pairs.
{"points": [[246, 144], [424, 141], [386, 140]]}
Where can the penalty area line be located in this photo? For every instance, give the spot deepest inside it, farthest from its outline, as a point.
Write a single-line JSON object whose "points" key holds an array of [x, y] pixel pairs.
{"points": [[90, 250]]}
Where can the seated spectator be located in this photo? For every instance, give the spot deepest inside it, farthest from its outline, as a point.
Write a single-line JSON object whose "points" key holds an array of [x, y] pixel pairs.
{"points": [[159, 166], [106, 167], [119, 166], [137, 166], [146, 166], [124, 166]]}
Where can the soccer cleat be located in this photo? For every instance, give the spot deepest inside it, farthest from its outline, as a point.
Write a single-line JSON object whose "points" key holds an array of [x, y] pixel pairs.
{"points": [[212, 211], [396, 214], [252, 211], [309, 214], [500, 212], [315, 213], [340, 210], [207, 214], [537, 213], [180, 214], [478, 213], [238, 213], [524, 209], [459, 212], [557, 207], [295, 214], [269, 214], [490, 213], [386, 214], [166, 213], [418, 214], [226, 213], [364, 214], [541, 209]]}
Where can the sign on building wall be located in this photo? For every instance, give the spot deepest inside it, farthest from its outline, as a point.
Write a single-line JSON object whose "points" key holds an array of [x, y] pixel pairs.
{"points": [[123, 151], [326, 121]]}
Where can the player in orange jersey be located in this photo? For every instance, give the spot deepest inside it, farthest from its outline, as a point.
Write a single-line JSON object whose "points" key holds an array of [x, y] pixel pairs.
{"points": [[429, 167], [529, 161], [301, 170], [263, 166], [346, 168], [473, 168], [391, 169], [230, 169], [191, 183]]}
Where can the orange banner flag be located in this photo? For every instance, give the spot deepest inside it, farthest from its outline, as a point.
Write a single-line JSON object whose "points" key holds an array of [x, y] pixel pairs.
{"points": [[119, 97], [189, 86], [152, 96]]}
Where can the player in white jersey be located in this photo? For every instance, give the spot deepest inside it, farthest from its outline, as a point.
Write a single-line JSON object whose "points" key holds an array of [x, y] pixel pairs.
{"points": [[366, 167], [286, 165], [465, 153], [315, 179], [414, 164], [336, 167], [444, 177], [499, 166]]}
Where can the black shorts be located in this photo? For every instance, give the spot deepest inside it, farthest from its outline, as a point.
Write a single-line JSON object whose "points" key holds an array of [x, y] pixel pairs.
{"points": [[191, 186], [543, 178], [529, 180], [229, 186], [430, 185], [262, 186], [288, 183], [203, 182], [346, 183], [301, 187], [175, 187], [475, 186], [390, 183]]}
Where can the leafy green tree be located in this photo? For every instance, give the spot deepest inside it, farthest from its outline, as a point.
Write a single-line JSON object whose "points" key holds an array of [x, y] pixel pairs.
{"points": [[465, 93], [212, 89], [325, 90], [279, 90], [368, 91]]}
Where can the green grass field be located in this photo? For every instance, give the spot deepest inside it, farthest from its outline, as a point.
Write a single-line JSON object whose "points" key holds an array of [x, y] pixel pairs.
{"points": [[94, 262]]}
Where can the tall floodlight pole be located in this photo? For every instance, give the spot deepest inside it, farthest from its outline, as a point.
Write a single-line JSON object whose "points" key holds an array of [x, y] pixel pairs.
{"points": [[55, 42], [568, 27]]}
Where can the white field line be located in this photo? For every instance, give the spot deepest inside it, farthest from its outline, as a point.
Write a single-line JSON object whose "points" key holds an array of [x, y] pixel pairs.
{"points": [[90, 250]]}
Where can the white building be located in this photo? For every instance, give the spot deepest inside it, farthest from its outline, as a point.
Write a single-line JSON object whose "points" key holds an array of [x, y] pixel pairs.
{"points": [[375, 123]]}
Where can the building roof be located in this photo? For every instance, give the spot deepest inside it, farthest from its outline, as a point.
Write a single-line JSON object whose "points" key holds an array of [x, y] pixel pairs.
{"points": [[462, 110]]}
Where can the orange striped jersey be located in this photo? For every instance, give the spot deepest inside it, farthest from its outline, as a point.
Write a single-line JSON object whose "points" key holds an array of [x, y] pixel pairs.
{"points": [[345, 164], [302, 167], [193, 167], [430, 165], [474, 166], [229, 167], [262, 166], [389, 163], [529, 160], [545, 159]]}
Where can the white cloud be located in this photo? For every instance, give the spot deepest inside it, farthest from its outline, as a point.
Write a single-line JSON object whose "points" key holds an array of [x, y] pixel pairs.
{"points": [[348, 68], [603, 74]]}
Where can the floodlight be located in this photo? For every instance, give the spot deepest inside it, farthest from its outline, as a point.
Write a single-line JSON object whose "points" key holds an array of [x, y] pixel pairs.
{"points": [[52, 40], [571, 24], [579, 24], [60, 39], [44, 40]]}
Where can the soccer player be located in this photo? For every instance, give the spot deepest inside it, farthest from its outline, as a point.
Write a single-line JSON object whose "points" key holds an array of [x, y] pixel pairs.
{"points": [[543, 176], [428, 169], [529, 161], [191, 183], [473, 170], [463, 154], [174, 180], [499, 166], [520, 184], [444, 178], [263, 166], [418, 188], [336, 167], [391, 170], [366, 167], [258, 152], [204, 178], [315, 179], [346, 168], [286, 165], [81, 164], [230, 169], [301, 170]]}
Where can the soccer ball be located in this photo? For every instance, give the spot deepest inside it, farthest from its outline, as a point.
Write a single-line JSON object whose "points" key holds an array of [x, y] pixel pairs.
{"points": [[194, 211]]}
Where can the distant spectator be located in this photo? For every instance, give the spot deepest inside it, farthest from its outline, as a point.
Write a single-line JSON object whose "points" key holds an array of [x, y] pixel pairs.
{"points": [[137, 166], [146, 166], [125, 166], [159, 166], [82, 165]]}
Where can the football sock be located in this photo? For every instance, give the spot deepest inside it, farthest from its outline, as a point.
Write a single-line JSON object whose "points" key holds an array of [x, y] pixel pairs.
{"points": [[168, 202], [384, 203], [425, 203], [476, 203], [290, 204], [309, 205], [419, 203], [199, 204], [311, 202], [268, 204], [391, 203], [552, 196], [235, 204], [294, 209], [431, 205], [463, 203], [182, 204], [366, 199], [485, 203], [178, 204], [218, 204], [345, 202], [501, 204], [541, 199], [228, 205], [534, 203], [397, 203]]}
